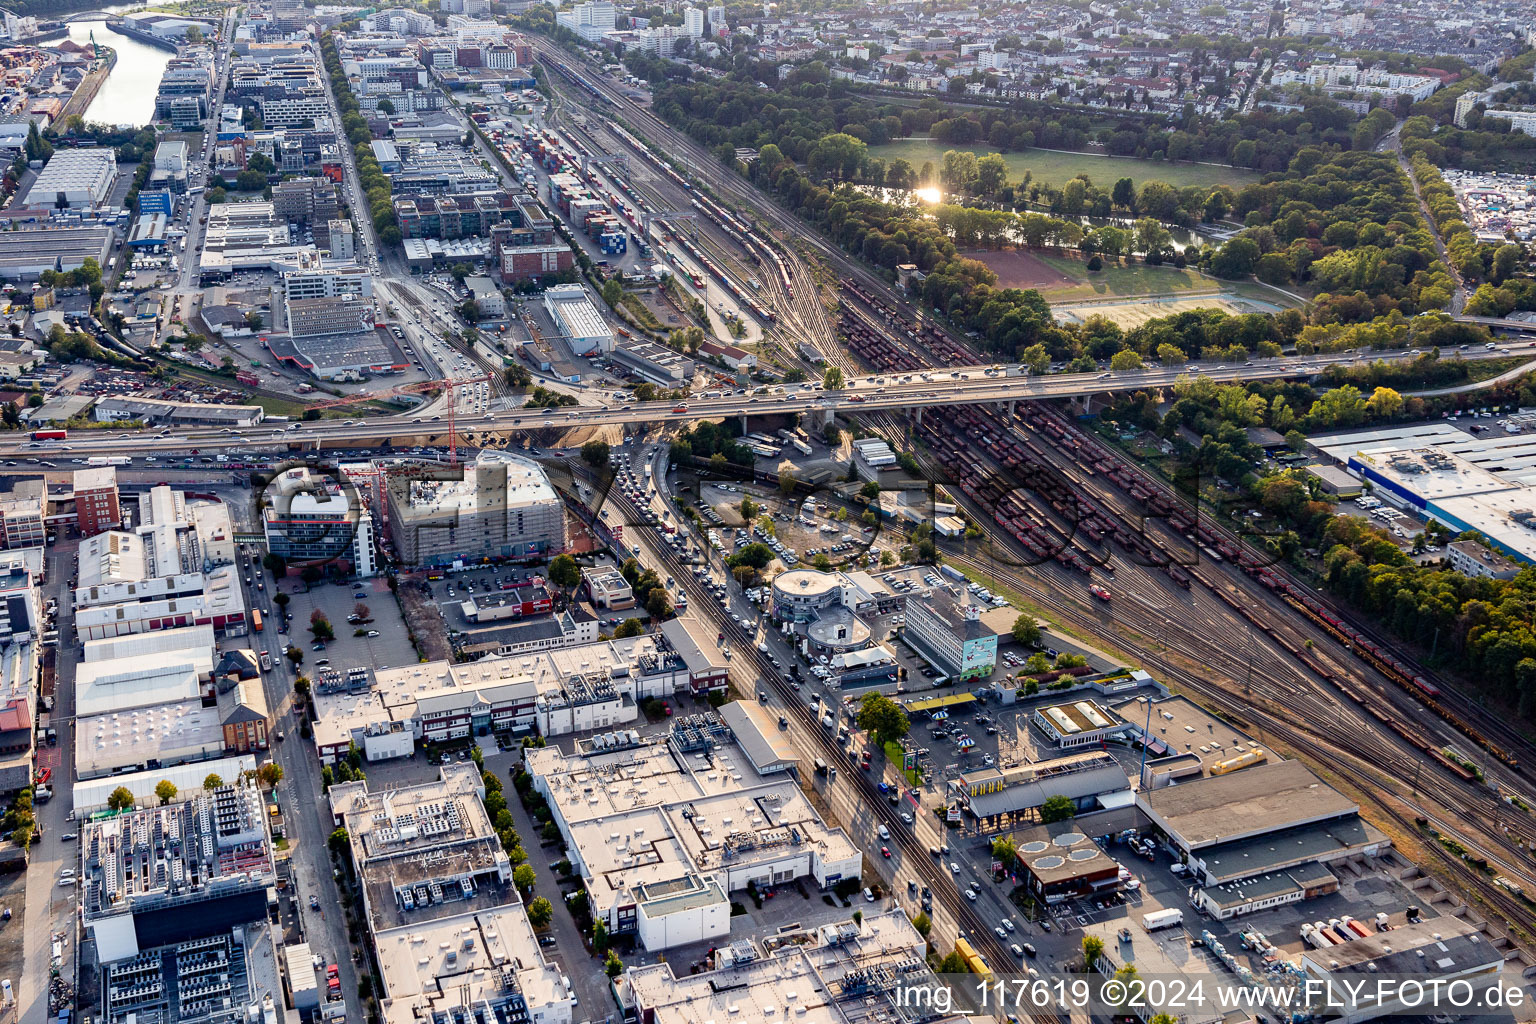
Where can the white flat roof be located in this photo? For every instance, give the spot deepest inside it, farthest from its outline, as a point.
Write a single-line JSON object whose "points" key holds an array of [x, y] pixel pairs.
{"points": [[419, 982], [141, 681], [183, 731], [1431, 473], [1492, 516], [575, 314]]}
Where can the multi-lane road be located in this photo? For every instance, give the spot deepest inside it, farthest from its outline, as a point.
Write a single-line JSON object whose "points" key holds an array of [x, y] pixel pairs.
{"points": [[915, 390]]}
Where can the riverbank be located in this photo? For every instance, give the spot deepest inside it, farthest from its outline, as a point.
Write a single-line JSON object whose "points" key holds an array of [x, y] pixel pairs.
{"points": [[85, 95], [122, 28]]}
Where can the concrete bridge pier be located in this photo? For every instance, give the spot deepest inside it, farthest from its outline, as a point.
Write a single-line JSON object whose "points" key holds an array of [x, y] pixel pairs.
{"points": [[743, 424]]}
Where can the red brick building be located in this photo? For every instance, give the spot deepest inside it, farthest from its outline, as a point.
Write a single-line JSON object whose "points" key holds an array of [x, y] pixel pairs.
{"points": [[96, 504]]}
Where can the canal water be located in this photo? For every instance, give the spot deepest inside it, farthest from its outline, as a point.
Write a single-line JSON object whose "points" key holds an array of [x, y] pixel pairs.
{"points": [[128, 94]]}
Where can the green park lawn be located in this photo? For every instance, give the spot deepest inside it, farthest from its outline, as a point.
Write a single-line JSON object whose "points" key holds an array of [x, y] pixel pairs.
{"points": [[1057, 168]]}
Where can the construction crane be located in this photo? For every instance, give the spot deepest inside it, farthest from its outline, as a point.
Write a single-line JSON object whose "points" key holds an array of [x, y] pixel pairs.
{"points": [[450, 386]]}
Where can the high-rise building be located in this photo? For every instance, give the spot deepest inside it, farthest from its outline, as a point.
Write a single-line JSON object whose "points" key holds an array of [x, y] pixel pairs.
{"points": [[343, 243], [500, 506], [716, 19], [693, 22], [310, 519], [96, 502], [591, 20]]}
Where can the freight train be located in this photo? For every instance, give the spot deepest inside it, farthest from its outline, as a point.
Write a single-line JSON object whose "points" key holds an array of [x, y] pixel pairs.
{"points": [[1186, 521]]}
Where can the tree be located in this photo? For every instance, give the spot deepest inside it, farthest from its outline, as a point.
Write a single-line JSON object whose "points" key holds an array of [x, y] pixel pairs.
{"points": [[386, 107], [1026, 630], [320, 626], [883, 718], [749, 509], [540, 913], [1095, 263], [832, 378], [1004, 851], [788, 482], [564, 572], [870, 491], [281, 600], [1236, 259], [1057, 808], [523, 876], [339, 841], [1125, 359], [613, 292], [836, 156], [362, 611], [628, 628], [120, 799], [595, 453], [954, 963], [165, 789], [1093, 948], [613, 966], [658, 603], [1385, 403], [600, 935], [270, 774], [923, 923], [213, 781]]}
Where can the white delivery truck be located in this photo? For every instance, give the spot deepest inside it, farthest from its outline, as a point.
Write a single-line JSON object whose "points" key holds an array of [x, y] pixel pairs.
{"points": [[1162, 919]]}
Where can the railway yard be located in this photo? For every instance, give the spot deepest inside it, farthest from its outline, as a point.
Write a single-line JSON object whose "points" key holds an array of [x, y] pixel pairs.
{"points": [[1214, 616], [740, 627]]}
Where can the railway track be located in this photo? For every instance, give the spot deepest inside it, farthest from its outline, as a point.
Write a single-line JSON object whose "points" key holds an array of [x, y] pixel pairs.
{"points": [[915, 857], [1232, 612]]}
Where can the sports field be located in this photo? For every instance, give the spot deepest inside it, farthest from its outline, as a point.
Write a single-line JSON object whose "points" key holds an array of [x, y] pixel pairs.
{"points": [[1127, 315], [1057, 168], [1064, 280]]}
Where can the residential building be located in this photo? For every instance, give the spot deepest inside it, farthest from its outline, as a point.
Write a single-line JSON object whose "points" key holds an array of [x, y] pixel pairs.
{"points": [[21, 517], [96, 502], [1473, 559], [591, 20]]}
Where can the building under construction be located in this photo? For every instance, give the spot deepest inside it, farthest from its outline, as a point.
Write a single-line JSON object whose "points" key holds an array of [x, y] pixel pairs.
{"points": [[499, 506]]}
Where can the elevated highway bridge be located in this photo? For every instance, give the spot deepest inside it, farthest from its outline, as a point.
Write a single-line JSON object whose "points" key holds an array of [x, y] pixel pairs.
{"points": [[918, 389]]}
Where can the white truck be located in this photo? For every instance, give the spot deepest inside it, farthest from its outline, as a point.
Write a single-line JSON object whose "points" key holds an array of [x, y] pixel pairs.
{"points": [[108, 460], [1162, 919]]}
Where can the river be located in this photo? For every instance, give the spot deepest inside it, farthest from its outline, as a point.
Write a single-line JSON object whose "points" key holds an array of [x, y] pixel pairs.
{"points": [[128, 94]]}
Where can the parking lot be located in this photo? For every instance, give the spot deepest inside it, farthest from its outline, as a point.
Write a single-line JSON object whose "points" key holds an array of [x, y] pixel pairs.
{"points": [[389, 648]]}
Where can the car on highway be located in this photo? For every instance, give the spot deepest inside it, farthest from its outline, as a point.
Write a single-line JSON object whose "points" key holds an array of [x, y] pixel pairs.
{"points": [[971, 894]]}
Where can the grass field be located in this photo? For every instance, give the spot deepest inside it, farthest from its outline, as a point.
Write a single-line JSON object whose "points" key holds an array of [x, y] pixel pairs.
{"points": [[1064, 280], [1059, 168]]}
